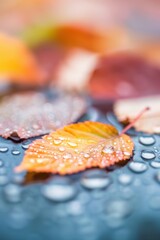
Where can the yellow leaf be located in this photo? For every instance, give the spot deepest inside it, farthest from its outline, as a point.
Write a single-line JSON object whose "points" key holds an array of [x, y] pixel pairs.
{"points": [[77, 147], [17, 64]]}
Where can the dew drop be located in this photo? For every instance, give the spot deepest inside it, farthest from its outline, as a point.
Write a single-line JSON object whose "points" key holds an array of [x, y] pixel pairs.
{"points": [[25, 145], [3, 149], [3, 180], [67, 156], [155, 202], [15, 152], [72, 144], [58, 191], [74, 208], [61, 149], [155, 164], [95, 179], [108, 150], [57, 141], [147, 140], [138, 167], [148, 155], [3, 171], [125, 179], [12, 193], [157, 177], [1, 163], [118, 209]]}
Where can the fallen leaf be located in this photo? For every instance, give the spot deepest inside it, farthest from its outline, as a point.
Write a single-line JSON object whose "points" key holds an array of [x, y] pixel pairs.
{"points": [[17, 63], [29, 114], [124, 75], [126, 110], [77, 147], [112, 40], [76, 69]]}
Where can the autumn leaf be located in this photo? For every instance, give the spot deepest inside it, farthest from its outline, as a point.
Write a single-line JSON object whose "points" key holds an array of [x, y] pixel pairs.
{"points": [[77, 147], [126, 110], [124, 75], [29, 114], [17, 64]]}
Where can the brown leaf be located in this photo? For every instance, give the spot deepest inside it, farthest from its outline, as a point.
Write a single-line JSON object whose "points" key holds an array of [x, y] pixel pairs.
{"points": [[77, 147], [31, 113]]}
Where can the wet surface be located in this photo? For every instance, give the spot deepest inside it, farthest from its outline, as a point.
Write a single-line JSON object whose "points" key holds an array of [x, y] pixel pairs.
{"points": [[92, 205]]}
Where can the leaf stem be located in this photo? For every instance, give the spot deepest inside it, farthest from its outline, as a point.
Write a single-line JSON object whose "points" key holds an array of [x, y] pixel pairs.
{"points": [[134, 120]]}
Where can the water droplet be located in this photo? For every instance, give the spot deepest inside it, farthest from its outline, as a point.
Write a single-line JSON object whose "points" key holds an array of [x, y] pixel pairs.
{"points": [[118, 209], [72, 144], [155, 164], [125, 179], [59, 191], [25, 146], [95, 179], [57, 141], [108, 150], [74, 208], [12, 193], [147, 140], [67, 156], [3, 171], [1, 163], [3, 149], [155, 202], [15, 152], [157, 177], [148, 155], [138, 167], [3, 180], [61, 149]]}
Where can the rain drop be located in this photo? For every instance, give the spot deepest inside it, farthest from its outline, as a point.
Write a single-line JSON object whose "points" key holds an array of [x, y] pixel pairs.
{"points": [[108, 150], [3, 180], [138, 167], [147, 140], [155, 202], [61, 149], [15, 152], [125, 179], [95, 179], [118, 209], [58, 191], [155, 164], [72, 144], [157, 177], [57, 141], [1, 163], [3, 149], [148, 155], [12, 193]]}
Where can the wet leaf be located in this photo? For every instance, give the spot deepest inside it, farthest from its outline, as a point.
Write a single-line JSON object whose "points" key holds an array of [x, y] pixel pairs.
{"points": [[124, 75], [29, 114], [77, 147], [17, 64], [126, 110]]}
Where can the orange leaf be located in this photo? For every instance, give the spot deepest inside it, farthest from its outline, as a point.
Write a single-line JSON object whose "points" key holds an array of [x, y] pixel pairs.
{"points": [[17, 64], [91, 39], [77, 147]]}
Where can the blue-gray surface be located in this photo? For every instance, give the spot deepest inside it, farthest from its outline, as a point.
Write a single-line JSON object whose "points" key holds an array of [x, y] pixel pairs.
{"points": [[122, 202]]}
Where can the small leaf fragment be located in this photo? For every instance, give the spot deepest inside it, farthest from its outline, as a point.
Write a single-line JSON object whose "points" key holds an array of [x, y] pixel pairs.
{"points": [[77, 147]]}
